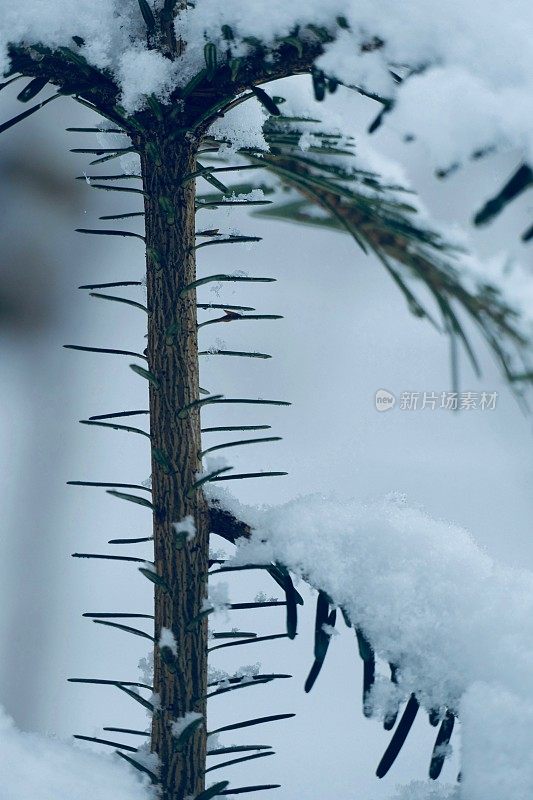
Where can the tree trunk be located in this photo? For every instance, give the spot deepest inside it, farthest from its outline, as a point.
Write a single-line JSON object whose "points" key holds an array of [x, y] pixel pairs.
{"points": [[180, 683]]}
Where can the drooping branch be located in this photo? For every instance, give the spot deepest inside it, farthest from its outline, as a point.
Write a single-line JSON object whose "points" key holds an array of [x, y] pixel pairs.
{"points": [[394, 241], [383, 220], [226, 525], [215, 88], [231, 528]]}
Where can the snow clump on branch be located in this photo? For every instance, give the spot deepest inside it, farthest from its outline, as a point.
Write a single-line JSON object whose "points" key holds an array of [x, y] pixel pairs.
{"points": [[457, 625], [474, 57]]}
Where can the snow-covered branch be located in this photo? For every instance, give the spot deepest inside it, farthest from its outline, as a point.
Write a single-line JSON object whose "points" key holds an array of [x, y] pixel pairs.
{"points": [[473, 55], [456, 625]]}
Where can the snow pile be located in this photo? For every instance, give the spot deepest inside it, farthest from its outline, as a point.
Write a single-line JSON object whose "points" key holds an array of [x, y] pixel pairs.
{"points": [[472, 56], [475, 57], [45, 768], [143, 72], [458, 625], [241, 127], [114, 35], [107, 26]]}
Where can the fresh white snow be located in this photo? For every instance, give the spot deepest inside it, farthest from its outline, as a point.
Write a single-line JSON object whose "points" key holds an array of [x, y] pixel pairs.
{"points": [[458, 625], [475, 82], [47, 768]]}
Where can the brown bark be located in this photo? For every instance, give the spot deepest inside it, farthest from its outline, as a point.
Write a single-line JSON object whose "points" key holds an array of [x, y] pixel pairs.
{"points": [[173, 361]]}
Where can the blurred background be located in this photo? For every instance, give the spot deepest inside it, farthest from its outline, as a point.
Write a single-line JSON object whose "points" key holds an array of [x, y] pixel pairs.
{"points": [[345, 334]]}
